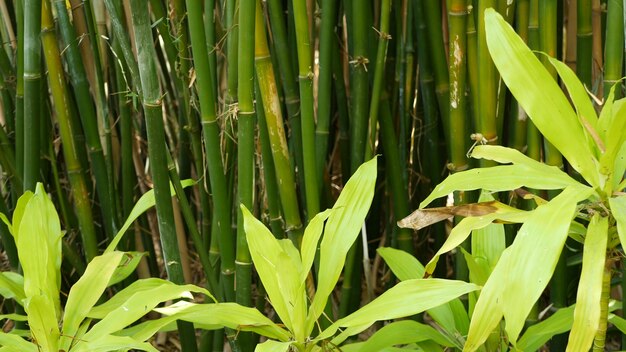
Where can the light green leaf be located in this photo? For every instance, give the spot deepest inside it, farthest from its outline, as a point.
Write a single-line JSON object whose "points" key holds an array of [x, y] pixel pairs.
{"points": [[587, 311], [463, 229], [12, 286], [138, 305], [584, 109], [311, 238], [17, 343], [400, 333], [86, 292], [497, 179], [39, 248], [405, 299], [272, 346], [618, 322], [539, 94], [452, 317], [487, 242], [403, 265], [618, 210], [539, 334], [619, 169], [129, 263], [479, 270], [524, 269], [18, 212], [42, 321], [144, 203], [342, 228], [614, 137], [229, 315], [14, 317], [280, 272], [112, 343], [6, 221]]}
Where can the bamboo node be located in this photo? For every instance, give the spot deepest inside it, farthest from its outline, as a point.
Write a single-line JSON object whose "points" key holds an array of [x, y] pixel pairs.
{"points": [[382, 35], [360, 61]]}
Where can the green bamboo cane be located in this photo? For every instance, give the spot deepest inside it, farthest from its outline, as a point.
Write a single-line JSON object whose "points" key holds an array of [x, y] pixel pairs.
{"points": [[305, 78], [210, 31], [432, 19], [290, 88], [272, 199], [32, 92], [275, 126], [88, 118], [359, 83], [232, 47], [117, 26], [614, 46], [429, 127], [329, 17], [472, 66], [19, 94], [457, 48], [343, 138], [518, 122], [584, 41], [599, 340], [157, 149], [379, 69], [393, 166], [245, 154], [75, 171], [406, 76], [211, 132], [533, 138], [486, 123]]}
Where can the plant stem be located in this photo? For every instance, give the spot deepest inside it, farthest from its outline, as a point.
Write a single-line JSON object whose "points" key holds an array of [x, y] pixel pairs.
{"points": [[157, 149], [599, 340]]}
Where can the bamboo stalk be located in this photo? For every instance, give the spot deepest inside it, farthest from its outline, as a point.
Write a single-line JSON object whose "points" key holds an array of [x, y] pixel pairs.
{"points": [[305, 78], [599, 340], [32, 92], [75, 171], [88, 118], [245, 155], [614, 46], [157, 149], [273, 117], [584, 41], [222, 213], [19, 94], [379, 69]]}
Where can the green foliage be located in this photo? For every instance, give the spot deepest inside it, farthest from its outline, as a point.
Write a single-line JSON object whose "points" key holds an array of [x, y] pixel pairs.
{"points": [[81, 325], [594, 147], [284, 271]]}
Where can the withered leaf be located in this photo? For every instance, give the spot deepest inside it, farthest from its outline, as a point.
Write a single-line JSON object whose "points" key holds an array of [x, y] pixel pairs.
{"points": [[425, 217]]}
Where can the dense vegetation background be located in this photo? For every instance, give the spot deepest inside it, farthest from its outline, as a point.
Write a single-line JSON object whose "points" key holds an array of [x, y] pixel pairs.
{"points": [[273, 105]]}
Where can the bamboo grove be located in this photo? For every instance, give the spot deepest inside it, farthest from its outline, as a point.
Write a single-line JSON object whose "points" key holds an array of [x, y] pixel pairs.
{"points": [[274, 105]]}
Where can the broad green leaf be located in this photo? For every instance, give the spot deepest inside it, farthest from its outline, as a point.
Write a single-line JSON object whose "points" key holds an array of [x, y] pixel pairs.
{"points": [[112, 343], [342, 228], [487, 242], [127, 266], [14, 317], [539, 334], [18, 213], [272, 346], [618, 322], [463, 229], [12, 286], [524, 269], [403, 265], [229, 315], [138, 305], [279, 271], [39, 248], [479, 270], [584, 109], [606, 115], [86, 292], [404, 299], [400, 333], [618, 210], [6, 221], [17, 343], [499, 178], [42, 321], [310, 240], [619, 169], [144, 203], [614, 137], [452, 315], [539, 94], [587, 311]]}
